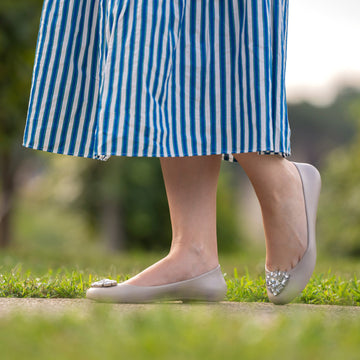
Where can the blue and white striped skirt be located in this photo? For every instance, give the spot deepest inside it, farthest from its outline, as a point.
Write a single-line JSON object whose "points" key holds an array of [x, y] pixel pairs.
{"points": [[160, 78]]}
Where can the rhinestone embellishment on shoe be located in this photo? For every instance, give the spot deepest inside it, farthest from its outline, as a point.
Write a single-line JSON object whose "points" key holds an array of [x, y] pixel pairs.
{"points": [[276, 280], [104, 283]]}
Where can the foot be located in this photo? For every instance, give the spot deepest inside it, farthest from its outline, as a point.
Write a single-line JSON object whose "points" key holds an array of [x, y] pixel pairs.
{"points": [[173, 268], [285, 221]]}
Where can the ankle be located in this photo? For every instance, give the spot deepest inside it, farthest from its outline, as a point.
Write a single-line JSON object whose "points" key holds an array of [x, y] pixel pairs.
{"points": [[280, 187], [195, 253]]}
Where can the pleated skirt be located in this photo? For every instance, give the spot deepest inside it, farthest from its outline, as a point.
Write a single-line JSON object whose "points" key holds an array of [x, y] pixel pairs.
{"points": [[160, 78]]}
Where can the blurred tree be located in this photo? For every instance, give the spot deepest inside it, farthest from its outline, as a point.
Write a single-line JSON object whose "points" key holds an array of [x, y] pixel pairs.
{"points": [[18, 29], [318, 130], [339, 212], [125, 199]]}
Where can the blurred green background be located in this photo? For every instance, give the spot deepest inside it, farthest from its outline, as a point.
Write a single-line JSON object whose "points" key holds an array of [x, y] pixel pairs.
{"points": [[56, 206], [65, 219]]}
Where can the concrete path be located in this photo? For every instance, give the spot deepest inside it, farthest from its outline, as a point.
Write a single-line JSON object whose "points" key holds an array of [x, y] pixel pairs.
{"points": [[82, 306]]}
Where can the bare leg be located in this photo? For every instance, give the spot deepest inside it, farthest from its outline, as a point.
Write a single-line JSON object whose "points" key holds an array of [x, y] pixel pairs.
{"points": [[191, 184], [278, 187]]}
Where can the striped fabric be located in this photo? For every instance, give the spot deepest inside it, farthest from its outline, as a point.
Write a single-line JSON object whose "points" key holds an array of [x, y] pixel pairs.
{"points": [[160, 78]]}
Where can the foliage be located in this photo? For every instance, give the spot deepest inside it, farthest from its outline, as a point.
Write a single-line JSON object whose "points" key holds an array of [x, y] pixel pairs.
{"points": [[137, 188], [18, 28], [318, 130], [19, 22], [229, 228], [339, 213]]}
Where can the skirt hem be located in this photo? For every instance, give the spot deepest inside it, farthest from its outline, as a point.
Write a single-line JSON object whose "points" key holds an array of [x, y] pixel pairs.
{"points": [[104, 157]]}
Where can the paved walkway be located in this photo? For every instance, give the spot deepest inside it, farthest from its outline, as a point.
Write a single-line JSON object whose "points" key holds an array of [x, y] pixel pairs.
{"points": [[83, 306]]}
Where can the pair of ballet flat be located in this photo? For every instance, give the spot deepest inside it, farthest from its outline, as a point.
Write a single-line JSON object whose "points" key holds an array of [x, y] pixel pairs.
{"points": [[282, 286]]}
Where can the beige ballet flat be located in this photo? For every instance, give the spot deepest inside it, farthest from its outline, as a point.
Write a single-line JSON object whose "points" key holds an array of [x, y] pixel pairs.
{"points": [[284, 286], [210, 286]]}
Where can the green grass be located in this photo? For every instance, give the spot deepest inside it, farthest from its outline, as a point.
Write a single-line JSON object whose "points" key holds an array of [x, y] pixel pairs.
{"points": [[165, 333], [324, 289]]}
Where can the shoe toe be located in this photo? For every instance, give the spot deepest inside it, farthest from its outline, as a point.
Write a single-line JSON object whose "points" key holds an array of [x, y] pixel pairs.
{"points": [[92, 293], [99, 294], [301, 274]]}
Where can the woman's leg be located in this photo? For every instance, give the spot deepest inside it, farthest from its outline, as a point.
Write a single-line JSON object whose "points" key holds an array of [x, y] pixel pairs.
{"points": [[191, 184], [278, 187]]}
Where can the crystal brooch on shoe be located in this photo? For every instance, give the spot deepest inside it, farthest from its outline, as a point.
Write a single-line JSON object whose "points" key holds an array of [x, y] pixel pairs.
{"points": [[104, 283], [276, 280]]}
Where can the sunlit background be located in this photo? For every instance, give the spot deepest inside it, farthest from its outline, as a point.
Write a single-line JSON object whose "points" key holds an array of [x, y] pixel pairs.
{"points": [[323, 48]]}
